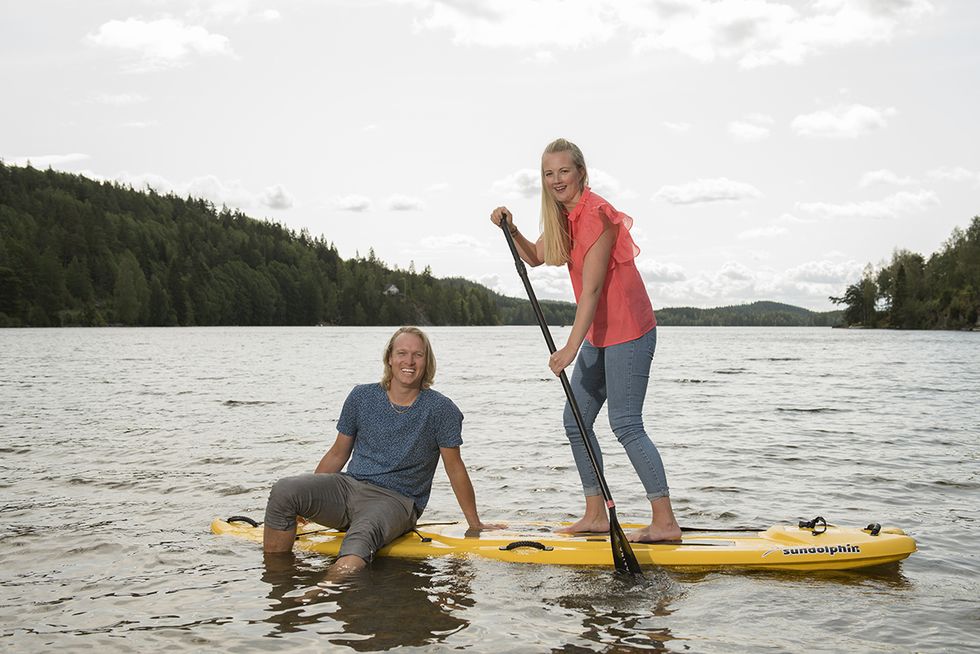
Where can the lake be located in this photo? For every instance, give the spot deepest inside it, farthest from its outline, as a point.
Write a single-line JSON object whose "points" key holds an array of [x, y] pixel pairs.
{"points": [[119, 446]]}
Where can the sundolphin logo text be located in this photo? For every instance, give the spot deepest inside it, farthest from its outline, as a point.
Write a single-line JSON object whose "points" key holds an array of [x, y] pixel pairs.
{"points": [[828, 549]]}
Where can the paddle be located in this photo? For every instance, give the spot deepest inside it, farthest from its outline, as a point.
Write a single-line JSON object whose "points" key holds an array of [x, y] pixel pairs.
{"points": [[623, 557]]}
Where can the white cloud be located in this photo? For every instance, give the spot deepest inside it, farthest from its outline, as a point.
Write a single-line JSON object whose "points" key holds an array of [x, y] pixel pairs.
{"points": [[825, 272], [232, 193], [120, 99], [677, 127], [708, 190], [494, 282], [883, 176], [439, 187], [356, 203], [769, 231], [550, 283], [46, 160], [403, 203], [735, 271], [451, 242], [504, 23], [276, 197], [751, 32], [219, 192], [655, 271], [754, 127], [140, 124], [842, 121], [808, 285], [524, 183], [159, 44], [542, 58], [234, 10], [955, 174], [890, 207], [606, 185]]}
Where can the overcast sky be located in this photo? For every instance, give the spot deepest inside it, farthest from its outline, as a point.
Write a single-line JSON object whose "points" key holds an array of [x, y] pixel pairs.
{"points": [[767, 149]]}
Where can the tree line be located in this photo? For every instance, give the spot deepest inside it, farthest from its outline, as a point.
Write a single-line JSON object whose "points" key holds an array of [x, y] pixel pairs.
{"points": [[756, 314], [76, 252], [911, 292]]}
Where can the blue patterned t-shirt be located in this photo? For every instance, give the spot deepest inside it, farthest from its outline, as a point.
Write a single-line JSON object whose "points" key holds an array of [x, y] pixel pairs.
{"points": [[399, 450]]}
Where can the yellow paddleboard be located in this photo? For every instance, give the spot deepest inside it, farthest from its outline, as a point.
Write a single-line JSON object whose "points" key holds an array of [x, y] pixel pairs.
{"points": [[780, 547]]}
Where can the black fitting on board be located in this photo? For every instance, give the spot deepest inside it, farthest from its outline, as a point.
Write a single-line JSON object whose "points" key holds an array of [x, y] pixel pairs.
{"points": [[242, 518], [818, 525]]}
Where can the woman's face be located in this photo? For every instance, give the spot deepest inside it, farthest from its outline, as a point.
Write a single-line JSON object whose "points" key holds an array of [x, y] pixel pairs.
{"points": [[562, 178]]}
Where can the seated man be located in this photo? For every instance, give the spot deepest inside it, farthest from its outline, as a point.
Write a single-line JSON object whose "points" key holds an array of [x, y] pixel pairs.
{"points": [[396, 432]]}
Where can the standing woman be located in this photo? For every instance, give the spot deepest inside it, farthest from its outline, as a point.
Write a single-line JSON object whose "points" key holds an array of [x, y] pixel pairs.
{"points": [[614, 326]]}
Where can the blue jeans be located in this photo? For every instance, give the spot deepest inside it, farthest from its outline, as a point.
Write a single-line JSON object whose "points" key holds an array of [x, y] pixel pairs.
{"points": [[619, 374]]}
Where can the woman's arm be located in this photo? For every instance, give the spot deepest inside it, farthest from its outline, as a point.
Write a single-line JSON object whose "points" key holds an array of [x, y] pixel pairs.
{"points": [[593, 278], [531, 252]]}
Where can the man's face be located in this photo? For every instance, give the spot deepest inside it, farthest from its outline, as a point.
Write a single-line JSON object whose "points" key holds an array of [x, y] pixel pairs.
{"points": [[407, 360]]}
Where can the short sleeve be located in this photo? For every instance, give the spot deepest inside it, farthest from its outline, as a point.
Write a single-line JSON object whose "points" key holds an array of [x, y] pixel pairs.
{"points": [[347, 424], [590, 224], [625, 249], [448, 425]]}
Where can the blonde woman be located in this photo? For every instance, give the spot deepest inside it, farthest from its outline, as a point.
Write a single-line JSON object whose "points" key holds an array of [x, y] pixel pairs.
{"points": [[614, 334]]}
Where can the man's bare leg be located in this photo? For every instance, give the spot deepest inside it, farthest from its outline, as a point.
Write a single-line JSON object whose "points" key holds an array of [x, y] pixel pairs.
{"points": [[345, 566], [275, 541]]}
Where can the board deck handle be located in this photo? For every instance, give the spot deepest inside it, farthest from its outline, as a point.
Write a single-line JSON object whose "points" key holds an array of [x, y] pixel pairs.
{"points": [[526, 543]]}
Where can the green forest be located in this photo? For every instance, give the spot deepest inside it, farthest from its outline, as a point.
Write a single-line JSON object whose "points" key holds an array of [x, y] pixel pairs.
{"points": [[911, 292], [76, 252], [756, 314]]}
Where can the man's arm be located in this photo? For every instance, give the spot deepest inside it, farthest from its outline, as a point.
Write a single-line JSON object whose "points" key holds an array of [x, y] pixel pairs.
{"points": [[452, 461], [337, 456]]}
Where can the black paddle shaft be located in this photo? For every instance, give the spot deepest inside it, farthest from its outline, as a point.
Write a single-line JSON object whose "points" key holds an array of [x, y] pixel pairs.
{"points": [[623, 557]]}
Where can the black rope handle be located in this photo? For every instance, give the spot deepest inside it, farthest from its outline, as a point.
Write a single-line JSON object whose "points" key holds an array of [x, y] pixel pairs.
{"points": [[526, 543], [243, 518], [874, 529]]}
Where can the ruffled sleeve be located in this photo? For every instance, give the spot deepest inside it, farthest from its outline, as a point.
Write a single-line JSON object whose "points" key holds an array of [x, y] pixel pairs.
{"points": [[625, 249], [590, 219]]}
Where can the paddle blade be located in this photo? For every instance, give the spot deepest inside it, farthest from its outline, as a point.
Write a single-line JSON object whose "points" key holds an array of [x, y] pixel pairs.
{"points": [[623, 557]]}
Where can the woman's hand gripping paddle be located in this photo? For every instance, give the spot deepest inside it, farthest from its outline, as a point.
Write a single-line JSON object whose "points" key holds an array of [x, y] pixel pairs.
{"points": [[623, 557]]}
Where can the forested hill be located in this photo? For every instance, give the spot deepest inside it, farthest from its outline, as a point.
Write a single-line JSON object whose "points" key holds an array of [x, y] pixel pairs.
{"points": [[79, 252], [757, 314]]}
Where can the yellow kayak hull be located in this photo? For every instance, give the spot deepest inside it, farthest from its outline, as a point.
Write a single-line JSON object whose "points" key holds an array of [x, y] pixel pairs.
{"points": [[780, 547]]}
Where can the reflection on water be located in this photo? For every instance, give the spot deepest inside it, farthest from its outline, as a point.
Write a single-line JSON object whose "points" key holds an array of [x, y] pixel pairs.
{"points": [[389, 604], [631, 615]]}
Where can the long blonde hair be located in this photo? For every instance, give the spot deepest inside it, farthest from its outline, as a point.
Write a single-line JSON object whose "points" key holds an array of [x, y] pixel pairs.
{"points": [[430, 357], [554, 223]]}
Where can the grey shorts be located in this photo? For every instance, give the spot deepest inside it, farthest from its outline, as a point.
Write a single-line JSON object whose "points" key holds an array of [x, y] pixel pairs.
{"points": [[372, 516]]}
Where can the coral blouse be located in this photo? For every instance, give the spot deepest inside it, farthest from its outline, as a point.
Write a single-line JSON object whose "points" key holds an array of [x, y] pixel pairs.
{"points": [[624, 311]]}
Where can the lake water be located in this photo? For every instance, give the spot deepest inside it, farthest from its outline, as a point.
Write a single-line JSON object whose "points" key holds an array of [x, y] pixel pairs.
{"points": [[119, 446]]}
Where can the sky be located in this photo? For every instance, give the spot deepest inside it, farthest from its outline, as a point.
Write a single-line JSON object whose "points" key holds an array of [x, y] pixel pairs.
{"points": [[766, 149]]}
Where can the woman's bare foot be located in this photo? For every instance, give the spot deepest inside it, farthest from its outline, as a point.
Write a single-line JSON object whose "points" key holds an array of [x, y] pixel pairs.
{"points": [[662, 528], [595, 519], [586, 526], [655, 534]]}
